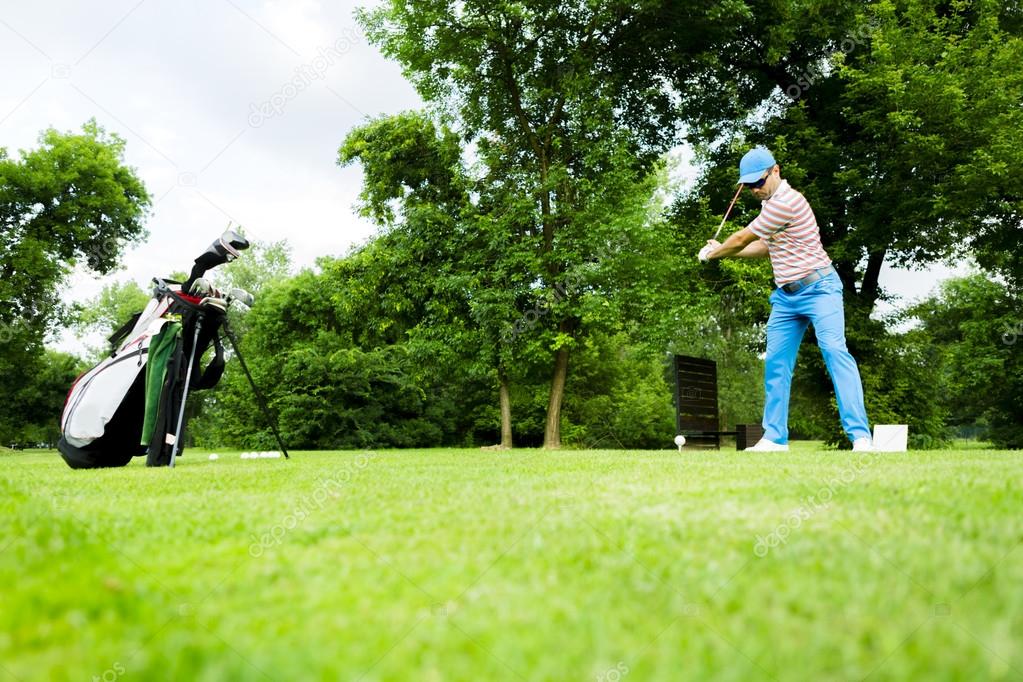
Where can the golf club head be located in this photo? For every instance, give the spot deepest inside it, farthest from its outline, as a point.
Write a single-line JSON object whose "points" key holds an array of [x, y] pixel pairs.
{"points": [[241, 296], [214, 302], [230, 244], [201, 287]]}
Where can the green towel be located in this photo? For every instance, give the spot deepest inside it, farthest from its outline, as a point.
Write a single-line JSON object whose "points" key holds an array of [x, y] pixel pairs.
{"points": [[160, 350]]}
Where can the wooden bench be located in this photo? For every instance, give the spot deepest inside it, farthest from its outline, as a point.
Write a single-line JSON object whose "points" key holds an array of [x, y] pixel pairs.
{"points": [[696, 406]]}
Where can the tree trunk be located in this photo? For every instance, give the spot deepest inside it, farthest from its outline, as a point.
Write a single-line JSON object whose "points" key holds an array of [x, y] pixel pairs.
{"points": [[552, 432], [506, 426], [869, 289], [859, 303]]}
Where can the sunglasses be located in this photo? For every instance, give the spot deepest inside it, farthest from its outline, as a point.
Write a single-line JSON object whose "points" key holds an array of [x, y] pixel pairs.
{"points": [[759, 183]]}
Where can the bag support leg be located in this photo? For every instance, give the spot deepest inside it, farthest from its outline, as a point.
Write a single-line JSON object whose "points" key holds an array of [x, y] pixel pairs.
{"points": [[255, 390]]}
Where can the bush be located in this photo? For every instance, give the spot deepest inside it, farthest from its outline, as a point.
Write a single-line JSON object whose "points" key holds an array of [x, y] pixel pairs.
{"points": [[976, 323], [618, 397]]}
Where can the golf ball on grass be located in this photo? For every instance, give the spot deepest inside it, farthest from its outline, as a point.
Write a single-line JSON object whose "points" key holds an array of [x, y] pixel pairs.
{"points": [[214, 456]]}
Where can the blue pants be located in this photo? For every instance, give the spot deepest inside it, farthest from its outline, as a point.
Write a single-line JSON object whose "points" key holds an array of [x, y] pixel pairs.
{"points": [[819, 303]]}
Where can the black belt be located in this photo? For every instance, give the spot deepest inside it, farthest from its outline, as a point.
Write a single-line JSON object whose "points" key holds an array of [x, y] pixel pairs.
{"points": [[793, 287]]}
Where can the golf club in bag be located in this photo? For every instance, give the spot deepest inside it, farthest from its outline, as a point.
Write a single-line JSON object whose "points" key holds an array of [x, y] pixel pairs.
{"points": [[133, 402]]}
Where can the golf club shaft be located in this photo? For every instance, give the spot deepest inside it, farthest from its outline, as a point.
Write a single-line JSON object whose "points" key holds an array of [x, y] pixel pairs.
{"points": [[728, 212], [184, 393], [255, 390]]}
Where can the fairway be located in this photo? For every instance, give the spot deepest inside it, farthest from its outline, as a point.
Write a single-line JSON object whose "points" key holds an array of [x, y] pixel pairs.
{"points": [[522, 565]]}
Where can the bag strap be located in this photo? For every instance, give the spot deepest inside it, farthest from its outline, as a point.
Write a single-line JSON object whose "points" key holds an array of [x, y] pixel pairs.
{"points": [[118, 336], [211, 375]]}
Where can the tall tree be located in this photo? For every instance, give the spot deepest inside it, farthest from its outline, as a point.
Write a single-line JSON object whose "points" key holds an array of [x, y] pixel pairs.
{"points": [[71, 201], [481, 277], [538, 88], [440, 252]]}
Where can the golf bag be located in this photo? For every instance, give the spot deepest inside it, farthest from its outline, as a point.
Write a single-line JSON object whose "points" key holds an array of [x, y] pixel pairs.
{"points": [[132, 403]]}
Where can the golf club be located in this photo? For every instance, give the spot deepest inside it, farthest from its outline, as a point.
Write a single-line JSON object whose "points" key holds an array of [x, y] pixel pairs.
{"points": [[184, 394], [728, 212], [226, 249]]}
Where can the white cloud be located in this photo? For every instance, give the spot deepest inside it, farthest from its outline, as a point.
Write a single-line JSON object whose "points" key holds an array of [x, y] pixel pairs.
{"points": [[298, 22]]}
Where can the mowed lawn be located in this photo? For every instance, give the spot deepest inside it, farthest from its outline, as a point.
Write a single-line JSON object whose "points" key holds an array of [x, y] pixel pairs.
{"points": [[523, 565]]}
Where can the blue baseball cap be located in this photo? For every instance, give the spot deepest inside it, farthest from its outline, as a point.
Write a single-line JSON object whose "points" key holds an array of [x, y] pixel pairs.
{"points": [[754, 163]]}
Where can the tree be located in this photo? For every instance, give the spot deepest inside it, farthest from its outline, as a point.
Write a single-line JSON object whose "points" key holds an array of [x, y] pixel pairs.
{"points": [[70, 201], [478, 275], [975, 324], [261, 266], [417, 190], [576, 102], [442, 246], [522, 83], [941, 85], [902, 138], [32, 414], [112, 307]]}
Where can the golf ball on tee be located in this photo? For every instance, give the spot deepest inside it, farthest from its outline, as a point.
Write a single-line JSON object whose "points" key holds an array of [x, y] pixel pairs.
{"points": [[680, 440]]}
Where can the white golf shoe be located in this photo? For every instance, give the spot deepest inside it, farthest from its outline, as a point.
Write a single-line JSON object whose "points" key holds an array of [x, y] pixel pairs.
{"points": [[764, 445], [863, 445]]}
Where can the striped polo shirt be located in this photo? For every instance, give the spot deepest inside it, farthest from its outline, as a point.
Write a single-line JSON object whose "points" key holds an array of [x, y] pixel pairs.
{"points": [[786, 222]]}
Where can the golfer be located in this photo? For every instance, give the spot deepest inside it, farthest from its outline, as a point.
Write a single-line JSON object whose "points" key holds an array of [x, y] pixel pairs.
{"points": [[809, 291]]}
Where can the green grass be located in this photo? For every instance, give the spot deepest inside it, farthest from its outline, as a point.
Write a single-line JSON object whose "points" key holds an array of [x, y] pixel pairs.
{"points": [[470, 565]]}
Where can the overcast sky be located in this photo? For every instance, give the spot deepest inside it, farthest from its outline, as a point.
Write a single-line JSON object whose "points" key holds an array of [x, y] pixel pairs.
{"points": [[232, 110]]}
